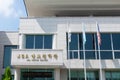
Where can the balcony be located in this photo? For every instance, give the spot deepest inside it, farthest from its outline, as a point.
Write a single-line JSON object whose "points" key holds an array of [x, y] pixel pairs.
{"points": [[29, 58], [37, 8]]}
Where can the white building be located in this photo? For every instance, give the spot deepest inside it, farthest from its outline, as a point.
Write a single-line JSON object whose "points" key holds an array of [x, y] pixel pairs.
{"points": [[41, 49]]}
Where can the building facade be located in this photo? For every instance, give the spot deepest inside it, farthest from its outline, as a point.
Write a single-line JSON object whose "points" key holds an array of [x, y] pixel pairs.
{"points": [[52, 48]]}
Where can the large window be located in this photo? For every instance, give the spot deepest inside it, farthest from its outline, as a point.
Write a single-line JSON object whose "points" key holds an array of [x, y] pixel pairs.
{"points": [[112, 75], [39, 41], [7, 55], [79, 75], [109, 47], [37, 74]]}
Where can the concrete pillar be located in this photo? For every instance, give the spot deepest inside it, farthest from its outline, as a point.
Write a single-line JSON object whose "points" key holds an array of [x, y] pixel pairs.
{"points": [[21, 41], [17, 74], [103, 75], [63, 74], [57, 74]]}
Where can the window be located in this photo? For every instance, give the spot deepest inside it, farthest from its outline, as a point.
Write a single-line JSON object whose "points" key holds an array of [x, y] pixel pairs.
{"points": [[37, 74], [109, 47], [7, 55], [39, 41], [79, 75], [112, 75], [76, 46]]}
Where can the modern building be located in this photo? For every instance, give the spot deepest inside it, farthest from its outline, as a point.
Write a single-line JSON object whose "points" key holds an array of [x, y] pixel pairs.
{"points": [[49, 44]]}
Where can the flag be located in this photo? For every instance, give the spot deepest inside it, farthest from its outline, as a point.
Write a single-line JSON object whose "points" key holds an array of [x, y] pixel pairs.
{"points": [[98, 34], [69, 34], [83, 33]]}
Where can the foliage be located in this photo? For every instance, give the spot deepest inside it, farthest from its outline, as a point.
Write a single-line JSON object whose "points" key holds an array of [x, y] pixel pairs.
{"points": [[7, 74]]}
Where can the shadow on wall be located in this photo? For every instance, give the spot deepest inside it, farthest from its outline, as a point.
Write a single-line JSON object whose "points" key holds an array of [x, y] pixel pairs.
{"points": [[51, 24], [4, 40], [47, 25]]}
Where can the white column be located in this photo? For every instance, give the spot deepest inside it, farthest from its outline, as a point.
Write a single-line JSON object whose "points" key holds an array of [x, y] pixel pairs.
{"points": [[17, 74], [57, 74], [21, 41], [103, 75]]}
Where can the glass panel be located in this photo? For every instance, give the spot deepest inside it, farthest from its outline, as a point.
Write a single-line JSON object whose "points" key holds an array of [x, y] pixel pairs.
{"points": [[37, 74], [29, 41], [106, 42], [106, 54], [48, 42], [7, 55], [115, 75], [75, 54], [90, 54], [117, 55], [90, 42], [80, 42], [38, 42], [116, 41], [79, 75], [74, 42], [81, 55], [71, 55]]}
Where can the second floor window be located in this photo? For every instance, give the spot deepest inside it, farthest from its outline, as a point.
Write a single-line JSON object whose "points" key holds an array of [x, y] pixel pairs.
{"points": [[39, 41], [109, 48]]}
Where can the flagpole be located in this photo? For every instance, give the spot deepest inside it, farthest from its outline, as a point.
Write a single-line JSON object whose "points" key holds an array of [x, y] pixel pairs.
{"points": [[68, 50], [99, 52], [84, 40]]}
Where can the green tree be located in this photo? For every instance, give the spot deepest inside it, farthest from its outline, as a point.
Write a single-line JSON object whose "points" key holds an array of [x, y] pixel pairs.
{"points": [[7, 74]]}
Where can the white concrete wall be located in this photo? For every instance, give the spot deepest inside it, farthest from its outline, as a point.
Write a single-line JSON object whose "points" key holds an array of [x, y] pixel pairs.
{"points": [[6, 38], [58, 26]]}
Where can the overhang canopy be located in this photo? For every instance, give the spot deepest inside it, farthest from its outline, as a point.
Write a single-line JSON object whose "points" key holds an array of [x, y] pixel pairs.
{"points": [[38, 8]]}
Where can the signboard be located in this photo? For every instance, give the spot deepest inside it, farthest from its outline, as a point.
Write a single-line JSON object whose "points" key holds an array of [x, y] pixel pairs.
{"points": [[36, 57]]}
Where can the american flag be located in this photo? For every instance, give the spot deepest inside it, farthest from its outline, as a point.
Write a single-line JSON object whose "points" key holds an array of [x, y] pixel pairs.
{"points": [[98, 34]]}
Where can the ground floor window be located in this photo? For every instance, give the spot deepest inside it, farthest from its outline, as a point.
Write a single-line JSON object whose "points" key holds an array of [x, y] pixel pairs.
{"points": [[79, 75], [37, 74], [112, 75]]}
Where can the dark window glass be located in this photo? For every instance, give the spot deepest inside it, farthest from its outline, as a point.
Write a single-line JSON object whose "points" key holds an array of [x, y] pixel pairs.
{"points": [[106, 54], [81, 55], [117, 55], [79, 75], [116, 41], [37, 74], [90, 42], [38, 42], [80, 42], [90, 54], [70, 55], [7, 55], [29, 41], [112, 75], [74, 42], [105, 42], [75, 54], [48, 42]]}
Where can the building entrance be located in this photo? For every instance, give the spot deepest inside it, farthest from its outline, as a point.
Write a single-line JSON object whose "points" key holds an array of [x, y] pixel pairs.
{"points": [[37, 74]]}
